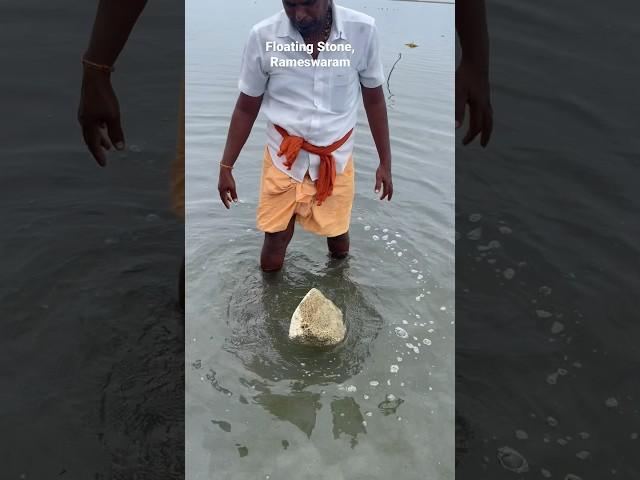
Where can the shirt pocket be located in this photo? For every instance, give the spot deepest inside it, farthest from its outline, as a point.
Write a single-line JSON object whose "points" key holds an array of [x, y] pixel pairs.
{"points": [[341, 93]]}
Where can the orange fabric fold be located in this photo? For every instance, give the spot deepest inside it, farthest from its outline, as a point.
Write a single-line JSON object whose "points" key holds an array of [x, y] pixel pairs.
{"points": [[290, 147]]}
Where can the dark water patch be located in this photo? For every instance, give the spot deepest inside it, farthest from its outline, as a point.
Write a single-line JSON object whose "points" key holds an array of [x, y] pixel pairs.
{"points": [[347, 419], [298, 408], [242, 450], [463, 435], [226, 426]]}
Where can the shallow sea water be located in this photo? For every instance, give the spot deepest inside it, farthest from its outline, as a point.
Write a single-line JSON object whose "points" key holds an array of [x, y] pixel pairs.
{"points": [[92, 344], [546, 252], [381, 404]]}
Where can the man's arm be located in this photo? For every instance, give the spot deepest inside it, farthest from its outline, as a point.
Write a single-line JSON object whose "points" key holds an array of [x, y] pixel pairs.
{"points": [[472, 75], [376, 109], [111, 28], [244, 115], [471, 25], [99, 106]]}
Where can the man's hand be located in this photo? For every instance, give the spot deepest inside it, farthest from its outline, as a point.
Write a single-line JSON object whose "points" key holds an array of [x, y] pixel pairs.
{"points": [[227, 187], [383, 177], [376, 109], [472, 88], [99, 115], [244, 114]]}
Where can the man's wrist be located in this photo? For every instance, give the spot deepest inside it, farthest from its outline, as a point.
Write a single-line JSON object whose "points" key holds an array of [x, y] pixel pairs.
{"points": [[478, 64], [89, 73], [226, 166]]}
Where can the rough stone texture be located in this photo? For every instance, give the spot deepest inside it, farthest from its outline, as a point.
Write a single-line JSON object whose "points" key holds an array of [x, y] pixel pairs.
{"points": [[317, 321]]}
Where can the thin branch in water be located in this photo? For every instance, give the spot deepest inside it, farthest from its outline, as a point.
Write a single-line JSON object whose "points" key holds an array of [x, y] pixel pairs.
{"points": [[390, 72]]}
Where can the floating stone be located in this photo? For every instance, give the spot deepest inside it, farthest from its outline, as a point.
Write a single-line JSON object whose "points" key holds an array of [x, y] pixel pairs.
{"points": [[317, 321]]}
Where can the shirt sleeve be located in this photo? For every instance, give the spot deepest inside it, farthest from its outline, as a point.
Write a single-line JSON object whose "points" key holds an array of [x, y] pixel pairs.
{"points": [[253, 79], [372, 74]]}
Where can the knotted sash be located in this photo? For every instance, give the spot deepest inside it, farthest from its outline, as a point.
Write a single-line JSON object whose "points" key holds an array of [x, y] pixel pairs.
{"points": [[290, 147]]}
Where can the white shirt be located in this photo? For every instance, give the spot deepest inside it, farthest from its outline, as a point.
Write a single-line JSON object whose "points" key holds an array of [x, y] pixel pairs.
{"points": [[318, 103]]}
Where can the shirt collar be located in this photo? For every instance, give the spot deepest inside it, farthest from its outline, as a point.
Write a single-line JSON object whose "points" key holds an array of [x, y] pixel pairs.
{"points": [[337, 29], [286, 29]]}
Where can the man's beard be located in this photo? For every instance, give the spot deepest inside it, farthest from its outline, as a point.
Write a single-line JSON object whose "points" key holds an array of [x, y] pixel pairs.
{"points": [[309, 28]]}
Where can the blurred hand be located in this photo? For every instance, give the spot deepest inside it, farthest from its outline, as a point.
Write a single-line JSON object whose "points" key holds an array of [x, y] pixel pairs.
{"points": [[99, 115], [227, 187], [472, 88], [383, 178]]}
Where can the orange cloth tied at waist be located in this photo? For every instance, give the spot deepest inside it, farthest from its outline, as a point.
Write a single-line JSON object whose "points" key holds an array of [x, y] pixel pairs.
{"points": [[290, 147]]}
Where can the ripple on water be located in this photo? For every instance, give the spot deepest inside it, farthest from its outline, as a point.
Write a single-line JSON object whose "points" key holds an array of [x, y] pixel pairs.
{"points": [[512, 460], [611, 402], [401, 332], [259, 314]]}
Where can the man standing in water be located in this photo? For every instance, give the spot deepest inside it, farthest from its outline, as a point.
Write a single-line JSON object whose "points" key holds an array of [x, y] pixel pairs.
{"points": [[305, 67]]}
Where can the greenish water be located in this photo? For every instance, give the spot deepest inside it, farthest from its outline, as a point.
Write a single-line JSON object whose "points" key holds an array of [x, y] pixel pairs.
{"points": [[382, 404]]}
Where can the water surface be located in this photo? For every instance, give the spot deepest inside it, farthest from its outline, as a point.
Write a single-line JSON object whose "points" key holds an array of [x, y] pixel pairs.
{"points": [[91, 358], [546, 256], [380, 405]]}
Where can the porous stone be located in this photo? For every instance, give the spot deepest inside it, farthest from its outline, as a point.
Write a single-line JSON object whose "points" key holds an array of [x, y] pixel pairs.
{"points": [[317, 321]]}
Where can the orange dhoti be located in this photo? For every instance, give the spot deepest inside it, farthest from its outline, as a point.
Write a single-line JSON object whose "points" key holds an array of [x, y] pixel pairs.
{"points": [[282, 197]]}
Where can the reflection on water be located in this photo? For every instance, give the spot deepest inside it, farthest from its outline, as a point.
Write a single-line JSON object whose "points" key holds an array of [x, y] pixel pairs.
{"points": [[259, 339], [299, 408], [347, 419]]}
